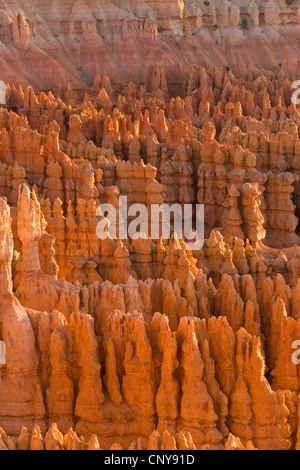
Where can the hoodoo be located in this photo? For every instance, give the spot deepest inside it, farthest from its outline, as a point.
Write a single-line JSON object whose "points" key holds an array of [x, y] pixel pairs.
{"points": [[149, 226]]}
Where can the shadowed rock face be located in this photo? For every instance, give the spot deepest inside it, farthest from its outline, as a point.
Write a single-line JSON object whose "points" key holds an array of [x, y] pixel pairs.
{"points": [[142, 343], [44, 43]]}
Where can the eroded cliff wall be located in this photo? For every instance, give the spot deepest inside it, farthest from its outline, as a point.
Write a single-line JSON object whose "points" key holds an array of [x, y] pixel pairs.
{"points": [[43, 43]]}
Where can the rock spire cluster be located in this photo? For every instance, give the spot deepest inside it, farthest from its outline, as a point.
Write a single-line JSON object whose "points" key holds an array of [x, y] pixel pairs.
{"points": [[141, 343]]}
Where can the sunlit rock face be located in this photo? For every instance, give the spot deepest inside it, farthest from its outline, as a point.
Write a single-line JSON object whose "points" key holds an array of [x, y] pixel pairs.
{"points": [[141, 342]]}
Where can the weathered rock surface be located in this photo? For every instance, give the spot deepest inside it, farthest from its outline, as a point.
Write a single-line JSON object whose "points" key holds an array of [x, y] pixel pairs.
{"points": [[44, 42], [140, 343]]}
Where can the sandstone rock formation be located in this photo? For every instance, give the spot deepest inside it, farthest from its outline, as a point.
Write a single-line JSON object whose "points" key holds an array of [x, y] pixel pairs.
{"points": [[138, 342], [51, 42]]}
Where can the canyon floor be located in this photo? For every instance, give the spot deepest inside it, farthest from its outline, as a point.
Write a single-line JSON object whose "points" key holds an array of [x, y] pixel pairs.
{"points": [[143, 343]]}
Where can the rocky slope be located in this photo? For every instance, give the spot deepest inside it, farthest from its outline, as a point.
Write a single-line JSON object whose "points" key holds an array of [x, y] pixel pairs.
{"points": [[47, 42]]}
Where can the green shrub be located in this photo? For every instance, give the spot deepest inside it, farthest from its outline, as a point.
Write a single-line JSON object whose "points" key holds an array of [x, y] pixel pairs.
{"points": [[244, 25]]}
